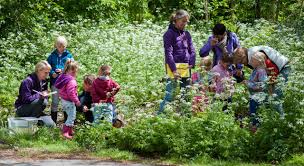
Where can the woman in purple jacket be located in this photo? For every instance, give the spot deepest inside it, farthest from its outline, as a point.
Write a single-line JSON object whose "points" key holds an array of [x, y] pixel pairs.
{"points": [[178, 49], [33, 94]]}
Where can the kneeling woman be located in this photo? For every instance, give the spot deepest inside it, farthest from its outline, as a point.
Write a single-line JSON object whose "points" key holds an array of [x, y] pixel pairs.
{"points": [[32, 98]]}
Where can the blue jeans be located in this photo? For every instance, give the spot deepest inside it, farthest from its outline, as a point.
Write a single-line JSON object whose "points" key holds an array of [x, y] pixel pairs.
{"points": [[103, 111], [55, 99], [253, 107], [70, 109], [170, 90], [278, 90]]}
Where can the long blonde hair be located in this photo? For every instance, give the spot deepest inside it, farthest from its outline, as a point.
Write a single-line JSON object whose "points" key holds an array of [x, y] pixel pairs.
{"points": [[42, 65], [259, 56]]}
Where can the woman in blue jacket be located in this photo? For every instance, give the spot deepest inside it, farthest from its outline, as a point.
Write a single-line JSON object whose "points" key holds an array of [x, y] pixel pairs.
{"points": [[178, 49]]}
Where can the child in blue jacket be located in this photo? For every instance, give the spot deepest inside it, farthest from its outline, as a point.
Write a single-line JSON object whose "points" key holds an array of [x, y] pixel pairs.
{"points": [[57, 60]]}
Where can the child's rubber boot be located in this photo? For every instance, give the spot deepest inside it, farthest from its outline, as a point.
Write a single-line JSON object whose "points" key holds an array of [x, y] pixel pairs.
{"points": [[71, 131], [65, 132], [54, 116]]}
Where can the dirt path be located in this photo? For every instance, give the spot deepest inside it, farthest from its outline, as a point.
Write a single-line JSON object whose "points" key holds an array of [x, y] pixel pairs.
{"points": [[29, 157]]}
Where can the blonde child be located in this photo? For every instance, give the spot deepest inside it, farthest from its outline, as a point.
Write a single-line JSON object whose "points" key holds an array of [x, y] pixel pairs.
{"points": [[57, 60], [67, 86], [200, 99], [257, 85], [103, 91]]}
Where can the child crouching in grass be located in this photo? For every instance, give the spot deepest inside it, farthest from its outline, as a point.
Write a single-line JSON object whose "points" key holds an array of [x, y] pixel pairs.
{"points": [[200, 99], [103, 91], [67, 85], [86, 98], [221, 82]]}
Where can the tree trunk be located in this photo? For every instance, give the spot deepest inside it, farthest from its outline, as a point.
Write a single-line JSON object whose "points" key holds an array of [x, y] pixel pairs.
{"points": [[301, 11], [206, 10], [257, 9], [277, 12]]}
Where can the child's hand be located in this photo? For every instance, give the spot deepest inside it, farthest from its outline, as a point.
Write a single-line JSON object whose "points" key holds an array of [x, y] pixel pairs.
{"points": [[54, 75], [58, 71], [109, 94], [238, 72], [85, 109]]}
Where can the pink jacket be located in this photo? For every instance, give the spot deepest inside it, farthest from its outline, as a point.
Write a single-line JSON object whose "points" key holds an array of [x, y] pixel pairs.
{"points": [[219, 74], [67, 86]]}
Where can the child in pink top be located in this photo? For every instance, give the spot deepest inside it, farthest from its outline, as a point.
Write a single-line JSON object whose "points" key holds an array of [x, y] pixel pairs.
{"points": [[67, 86], [200, 99], [221, 82]]}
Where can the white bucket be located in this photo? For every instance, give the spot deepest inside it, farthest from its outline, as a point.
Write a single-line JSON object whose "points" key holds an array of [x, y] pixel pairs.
{"points": [[23, 125]]}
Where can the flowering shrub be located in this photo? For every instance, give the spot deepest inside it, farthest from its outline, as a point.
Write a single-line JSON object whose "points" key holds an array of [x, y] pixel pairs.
{"points": [[135, 53]]}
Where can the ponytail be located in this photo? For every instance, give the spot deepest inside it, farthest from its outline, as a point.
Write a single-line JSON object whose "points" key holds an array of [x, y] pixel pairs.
{"points": [[178, 15], [70, 66]]}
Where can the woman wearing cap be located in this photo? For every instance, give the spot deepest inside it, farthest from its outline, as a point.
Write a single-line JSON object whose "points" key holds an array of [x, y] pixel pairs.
{"points": [[179, 49]]}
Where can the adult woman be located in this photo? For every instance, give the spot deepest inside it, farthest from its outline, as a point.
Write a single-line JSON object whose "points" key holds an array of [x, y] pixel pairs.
{"points": [[32, 98], [179, 49]]}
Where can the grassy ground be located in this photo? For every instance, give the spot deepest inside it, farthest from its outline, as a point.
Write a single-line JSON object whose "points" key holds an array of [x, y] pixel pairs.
{"points": [[68, 150]]}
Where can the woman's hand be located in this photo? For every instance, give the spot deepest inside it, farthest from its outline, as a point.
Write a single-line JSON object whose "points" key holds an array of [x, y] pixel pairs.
{"points": [[44, 94], [214, 41], [176, 75]]}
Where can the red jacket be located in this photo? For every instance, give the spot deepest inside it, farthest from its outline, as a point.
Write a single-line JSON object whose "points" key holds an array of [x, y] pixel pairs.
{"points": [[101, 87]]}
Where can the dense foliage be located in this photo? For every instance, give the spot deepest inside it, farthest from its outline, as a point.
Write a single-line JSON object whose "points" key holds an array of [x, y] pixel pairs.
{"points": [[117, 33], [135, 52], [28, 15]]}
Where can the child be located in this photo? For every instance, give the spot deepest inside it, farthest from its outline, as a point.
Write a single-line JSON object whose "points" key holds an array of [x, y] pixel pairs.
{"points": [[86, 98], [200, 97], [221, 82], [57, 59], [103, 91], [67, 86], [257, 86]]}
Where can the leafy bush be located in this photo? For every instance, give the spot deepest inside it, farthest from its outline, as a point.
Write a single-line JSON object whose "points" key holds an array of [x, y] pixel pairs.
{"points": [[92, 137], [136, 54]]}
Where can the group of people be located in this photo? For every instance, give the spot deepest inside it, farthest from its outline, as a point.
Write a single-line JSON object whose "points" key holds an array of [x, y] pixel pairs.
{"points": [[62, 69], [96, 101], [268, 66]]}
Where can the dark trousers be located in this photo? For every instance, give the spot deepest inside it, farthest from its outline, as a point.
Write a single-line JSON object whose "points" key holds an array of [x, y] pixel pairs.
{"points": [[34, 109]]}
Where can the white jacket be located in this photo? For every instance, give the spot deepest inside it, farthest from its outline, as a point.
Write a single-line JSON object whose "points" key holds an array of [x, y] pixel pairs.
{"points": [[271, 53]]}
